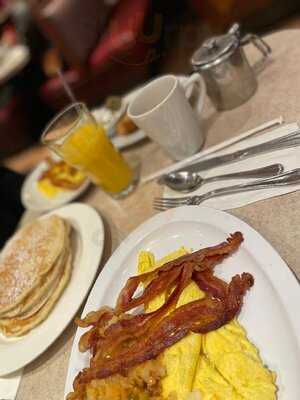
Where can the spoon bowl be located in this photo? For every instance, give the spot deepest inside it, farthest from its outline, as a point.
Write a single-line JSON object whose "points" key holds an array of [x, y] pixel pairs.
{"points": [[182, 181]]}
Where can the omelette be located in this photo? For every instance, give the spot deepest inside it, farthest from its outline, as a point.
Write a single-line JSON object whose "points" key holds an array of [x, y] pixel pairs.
{"points": [[220, 365], [48, 189], [58, 178]]}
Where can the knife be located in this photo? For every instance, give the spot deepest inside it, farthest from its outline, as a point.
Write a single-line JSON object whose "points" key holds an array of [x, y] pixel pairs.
{"points": [[291, 140]]}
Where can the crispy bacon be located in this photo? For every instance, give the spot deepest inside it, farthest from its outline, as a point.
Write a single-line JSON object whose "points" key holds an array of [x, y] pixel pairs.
{"points": [[236, 291], [232, 294], [199, 316], [160, 284], [211, 284], [202, 260], [233, 301], [170, 330], [94, 318], [98, 320], [119, 341], [88, 339], [132, 327], [210, 262]]}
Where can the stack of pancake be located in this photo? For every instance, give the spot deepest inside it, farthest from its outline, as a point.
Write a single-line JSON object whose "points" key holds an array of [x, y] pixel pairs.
{"points": [[35, 267]]}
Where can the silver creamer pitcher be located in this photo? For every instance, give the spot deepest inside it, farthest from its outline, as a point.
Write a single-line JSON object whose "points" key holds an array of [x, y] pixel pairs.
{"points": [[222, 62]]}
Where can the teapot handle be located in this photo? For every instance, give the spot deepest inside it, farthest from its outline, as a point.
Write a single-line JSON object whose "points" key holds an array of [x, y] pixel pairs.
{"points": [[256, 40]]}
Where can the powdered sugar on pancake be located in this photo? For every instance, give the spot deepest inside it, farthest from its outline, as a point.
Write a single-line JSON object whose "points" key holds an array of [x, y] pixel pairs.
{"points": [[27, 257]]}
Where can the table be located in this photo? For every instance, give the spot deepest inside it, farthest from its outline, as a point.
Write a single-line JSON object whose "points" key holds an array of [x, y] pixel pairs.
{"points": [[278, 219]]}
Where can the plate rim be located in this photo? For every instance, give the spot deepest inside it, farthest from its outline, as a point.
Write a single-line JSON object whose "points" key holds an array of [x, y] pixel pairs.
{"points": [[97, 259], [179, 214]]}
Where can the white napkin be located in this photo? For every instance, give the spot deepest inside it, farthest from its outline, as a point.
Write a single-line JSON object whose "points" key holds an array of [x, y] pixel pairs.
{"points": [[212, 149], [290, 158], [9, 385]]}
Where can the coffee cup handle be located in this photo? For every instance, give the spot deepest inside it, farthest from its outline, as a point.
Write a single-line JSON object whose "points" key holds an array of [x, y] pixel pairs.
{"points": [[197, 81]]}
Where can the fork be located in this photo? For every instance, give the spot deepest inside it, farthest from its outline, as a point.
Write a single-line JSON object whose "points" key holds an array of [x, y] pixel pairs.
{"points": [[285, 179]]}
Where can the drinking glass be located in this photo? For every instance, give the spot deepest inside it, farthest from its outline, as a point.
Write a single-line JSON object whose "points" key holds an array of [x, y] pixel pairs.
{"points": [[80, 140]]}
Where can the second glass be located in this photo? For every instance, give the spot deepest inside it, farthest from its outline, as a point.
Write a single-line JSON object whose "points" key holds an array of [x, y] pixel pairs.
{"points": [[77, 137]]}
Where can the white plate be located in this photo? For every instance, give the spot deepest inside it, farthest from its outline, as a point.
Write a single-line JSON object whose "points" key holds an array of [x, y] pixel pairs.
{"points": [[34, 200], [271, 310], [87, 247], [124, 141], [12, 60], [120, 142]]}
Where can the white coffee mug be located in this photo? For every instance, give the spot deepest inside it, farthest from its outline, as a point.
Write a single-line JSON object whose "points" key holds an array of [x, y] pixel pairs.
{"points": [[162, 109]]}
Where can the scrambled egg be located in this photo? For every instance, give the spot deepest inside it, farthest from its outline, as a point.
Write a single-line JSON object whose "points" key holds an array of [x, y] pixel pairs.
{"points": [[180, 360], [48, 189], [238, 361], [63, 173], [211, 384], [221, 365]]}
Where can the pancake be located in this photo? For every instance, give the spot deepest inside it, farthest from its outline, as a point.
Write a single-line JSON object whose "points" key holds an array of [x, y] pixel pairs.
{"points": [[37, 306], [38, 297], [27, 257], [18, 327], [40, 294]]}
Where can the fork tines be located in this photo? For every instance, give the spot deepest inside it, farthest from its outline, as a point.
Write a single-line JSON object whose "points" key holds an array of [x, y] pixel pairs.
{"points": [[163, 203]]}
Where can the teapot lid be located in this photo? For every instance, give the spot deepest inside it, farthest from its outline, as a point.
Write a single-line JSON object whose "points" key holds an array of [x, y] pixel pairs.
{"points": [[216, 49]]}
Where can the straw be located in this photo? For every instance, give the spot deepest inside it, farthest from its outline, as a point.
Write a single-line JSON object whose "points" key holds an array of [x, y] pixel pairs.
{"points": [[66, 86]]}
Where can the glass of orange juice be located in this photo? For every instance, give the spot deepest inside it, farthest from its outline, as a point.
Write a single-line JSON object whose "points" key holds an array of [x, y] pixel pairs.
{"points": [[75, 135]]}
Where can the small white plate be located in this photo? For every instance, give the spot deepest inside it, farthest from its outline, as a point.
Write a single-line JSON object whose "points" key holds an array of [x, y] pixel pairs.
{"points": [[34, 200], [120, 142], [271, 309], [13, 59], [87, 247], [127, 140]]}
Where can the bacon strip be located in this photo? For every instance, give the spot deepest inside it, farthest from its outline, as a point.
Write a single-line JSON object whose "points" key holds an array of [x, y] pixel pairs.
{"points": [[232, 294], [98, 320], [167, 332], [199, 316], [163, 282], [233, 302], [236, 291], [133, 339], [134, 326], [96, 317], [202, 260], [211, 284]]}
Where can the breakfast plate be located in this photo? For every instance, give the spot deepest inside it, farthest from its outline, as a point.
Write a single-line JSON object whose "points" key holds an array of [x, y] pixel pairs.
{"points": [[127, 140], [87, 244], [34, 200], [270, 311]]}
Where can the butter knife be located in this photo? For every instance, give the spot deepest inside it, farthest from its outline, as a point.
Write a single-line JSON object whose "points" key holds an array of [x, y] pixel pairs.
{"points": [[288, 141]]}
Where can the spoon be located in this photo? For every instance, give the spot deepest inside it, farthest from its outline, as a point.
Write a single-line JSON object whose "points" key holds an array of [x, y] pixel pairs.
{"points": [[186, 181]]}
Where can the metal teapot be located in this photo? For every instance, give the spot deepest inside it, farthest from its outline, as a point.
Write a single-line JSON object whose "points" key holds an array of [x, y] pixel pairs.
{"points": [[222, 62]]}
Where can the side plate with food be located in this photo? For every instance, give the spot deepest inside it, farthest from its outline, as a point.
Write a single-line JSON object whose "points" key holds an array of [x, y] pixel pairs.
{"points": [[263, 334], [51, 184], [30, 320]]}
